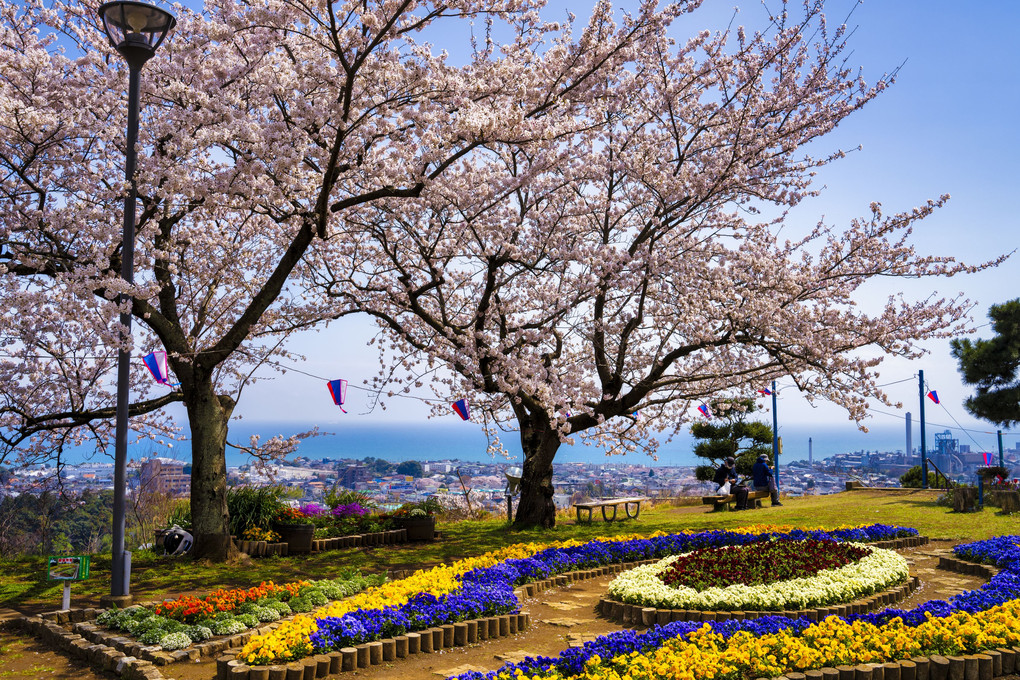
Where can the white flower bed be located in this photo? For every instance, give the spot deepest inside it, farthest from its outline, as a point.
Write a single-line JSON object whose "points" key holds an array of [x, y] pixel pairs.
{"points": [[875, 572]]}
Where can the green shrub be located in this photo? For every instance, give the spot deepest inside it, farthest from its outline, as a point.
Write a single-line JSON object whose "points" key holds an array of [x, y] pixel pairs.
{"points": [[253, 506], [331, 589], [340, 496], [180, 514], [153, 636], [315, 597], [282, 608], [300, 604], [247, 608], [911, 479], [249, 620]]}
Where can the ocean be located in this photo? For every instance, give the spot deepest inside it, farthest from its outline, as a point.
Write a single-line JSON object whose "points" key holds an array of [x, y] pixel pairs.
{"points": [[466, 442]]}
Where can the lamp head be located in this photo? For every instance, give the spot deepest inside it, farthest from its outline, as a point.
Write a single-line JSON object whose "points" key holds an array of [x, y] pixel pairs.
{"points": [[135, 29]]}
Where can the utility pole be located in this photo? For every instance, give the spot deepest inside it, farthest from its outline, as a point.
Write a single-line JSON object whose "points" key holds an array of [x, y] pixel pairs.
{"points": [[775, 434], [924, 457]]}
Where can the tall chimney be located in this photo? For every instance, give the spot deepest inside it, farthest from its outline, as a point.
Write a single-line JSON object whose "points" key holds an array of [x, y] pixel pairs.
{"points": [[910, 450]]}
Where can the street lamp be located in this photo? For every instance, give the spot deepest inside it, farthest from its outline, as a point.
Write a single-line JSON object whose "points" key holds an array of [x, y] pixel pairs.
{"points": [[135, 29]]}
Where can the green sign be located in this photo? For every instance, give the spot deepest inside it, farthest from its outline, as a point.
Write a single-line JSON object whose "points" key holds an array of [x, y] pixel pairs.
{"points": [[68, 567]]}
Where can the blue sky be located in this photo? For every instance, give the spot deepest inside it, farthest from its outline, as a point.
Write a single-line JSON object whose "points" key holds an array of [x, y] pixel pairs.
{"points": [[949, 125]]}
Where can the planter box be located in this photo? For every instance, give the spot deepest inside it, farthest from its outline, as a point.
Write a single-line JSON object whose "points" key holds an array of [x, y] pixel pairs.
{"points": [[298, 537], [418, 528]]}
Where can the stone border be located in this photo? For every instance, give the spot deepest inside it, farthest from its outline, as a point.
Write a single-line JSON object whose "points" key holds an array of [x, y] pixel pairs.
{"points": [[378, 652], [991, 663]]}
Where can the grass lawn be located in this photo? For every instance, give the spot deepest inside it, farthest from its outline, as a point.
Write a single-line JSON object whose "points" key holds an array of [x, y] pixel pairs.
{"points": [[23, 583]]}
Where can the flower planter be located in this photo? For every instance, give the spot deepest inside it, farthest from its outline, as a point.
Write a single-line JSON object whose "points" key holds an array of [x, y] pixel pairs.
{"points": [[418, 528], [298, 537]]}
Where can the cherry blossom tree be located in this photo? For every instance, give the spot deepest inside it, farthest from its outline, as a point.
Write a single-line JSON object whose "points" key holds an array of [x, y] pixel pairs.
{"points": [[648, 261], [267, 126]]}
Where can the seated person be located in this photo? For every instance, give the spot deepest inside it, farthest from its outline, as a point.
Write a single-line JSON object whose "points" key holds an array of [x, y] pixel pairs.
{"points": [[763, 479], [725, 476]]}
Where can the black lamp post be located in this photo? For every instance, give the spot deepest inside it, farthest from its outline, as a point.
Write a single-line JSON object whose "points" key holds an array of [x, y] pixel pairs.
{"points": [[135, 29]]}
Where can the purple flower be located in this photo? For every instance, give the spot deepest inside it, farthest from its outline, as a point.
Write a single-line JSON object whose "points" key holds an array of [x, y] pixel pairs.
{"points": [[349, 510], [313, 509]]}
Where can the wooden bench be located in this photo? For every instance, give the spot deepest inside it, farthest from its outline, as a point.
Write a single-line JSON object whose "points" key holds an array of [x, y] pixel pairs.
{"points": [[613, 503], [720, 502]]}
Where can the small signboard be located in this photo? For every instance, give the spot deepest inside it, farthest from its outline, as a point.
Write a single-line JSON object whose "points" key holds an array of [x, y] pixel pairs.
{"points": [[68, 567]]}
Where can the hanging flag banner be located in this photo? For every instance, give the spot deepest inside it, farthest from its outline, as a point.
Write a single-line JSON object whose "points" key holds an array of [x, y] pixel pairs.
{"points": [[157, 365], [461, 407], [765, 391], [989, 458], [933, 395], [704, 410], [338, 390]]}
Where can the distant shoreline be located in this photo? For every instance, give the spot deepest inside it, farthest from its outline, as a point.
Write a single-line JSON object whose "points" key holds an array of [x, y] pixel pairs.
{"points": [[466, 441]]}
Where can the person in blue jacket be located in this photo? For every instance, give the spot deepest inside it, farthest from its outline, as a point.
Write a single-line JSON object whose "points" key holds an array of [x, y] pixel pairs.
{"points": [[762, 474]]}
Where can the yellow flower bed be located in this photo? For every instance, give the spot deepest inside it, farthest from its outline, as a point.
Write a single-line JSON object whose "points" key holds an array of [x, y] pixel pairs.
{"points": [[705, 655]]}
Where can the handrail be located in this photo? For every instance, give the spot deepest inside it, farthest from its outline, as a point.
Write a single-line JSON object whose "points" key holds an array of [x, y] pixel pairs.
{"points": [[946, 482]]}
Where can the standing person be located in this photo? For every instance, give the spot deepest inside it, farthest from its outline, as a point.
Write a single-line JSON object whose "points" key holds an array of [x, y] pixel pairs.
{"points": [[763, 479], [725, 475]]}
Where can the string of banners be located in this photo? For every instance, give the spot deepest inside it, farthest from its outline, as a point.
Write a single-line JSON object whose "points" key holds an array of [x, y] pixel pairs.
{"points": [[157, 364]]}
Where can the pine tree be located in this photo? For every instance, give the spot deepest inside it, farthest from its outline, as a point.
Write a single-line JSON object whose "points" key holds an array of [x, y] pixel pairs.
{"points": [[993, 366], [730, 433]]}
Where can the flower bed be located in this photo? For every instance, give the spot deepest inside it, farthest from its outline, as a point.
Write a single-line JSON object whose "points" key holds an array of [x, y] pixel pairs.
{"points": [[980, 619], [176, 624], [760, 564], [483, 586], [876, 571]]}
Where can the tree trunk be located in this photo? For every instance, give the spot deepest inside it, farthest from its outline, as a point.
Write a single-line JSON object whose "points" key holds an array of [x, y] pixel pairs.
{"points": [[208, 416], [536, 507]]}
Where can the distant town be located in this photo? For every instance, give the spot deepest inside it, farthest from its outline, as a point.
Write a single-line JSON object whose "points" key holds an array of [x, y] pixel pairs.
{"points": [[390, 484]]}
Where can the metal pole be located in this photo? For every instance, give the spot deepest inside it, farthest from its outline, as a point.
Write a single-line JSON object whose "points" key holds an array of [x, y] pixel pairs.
{"points": [[121, 574], [775, 434], [1002, 462], [924, 457]]}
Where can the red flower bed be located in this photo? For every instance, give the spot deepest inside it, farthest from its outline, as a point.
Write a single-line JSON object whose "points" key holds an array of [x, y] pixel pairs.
{"points": [[759, 563], [190, 609]]}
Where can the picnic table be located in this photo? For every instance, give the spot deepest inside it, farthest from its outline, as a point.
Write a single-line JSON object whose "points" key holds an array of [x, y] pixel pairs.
{"points": [[613, 503], [719, 502]]}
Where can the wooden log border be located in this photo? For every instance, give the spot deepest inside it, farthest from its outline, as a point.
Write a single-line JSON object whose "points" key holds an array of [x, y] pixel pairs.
{"points": [[264, 549], [369, 654], [638, 616]]}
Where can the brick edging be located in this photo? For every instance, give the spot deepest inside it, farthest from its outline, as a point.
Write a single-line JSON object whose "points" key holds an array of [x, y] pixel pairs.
{"points": [[380, 651]]}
